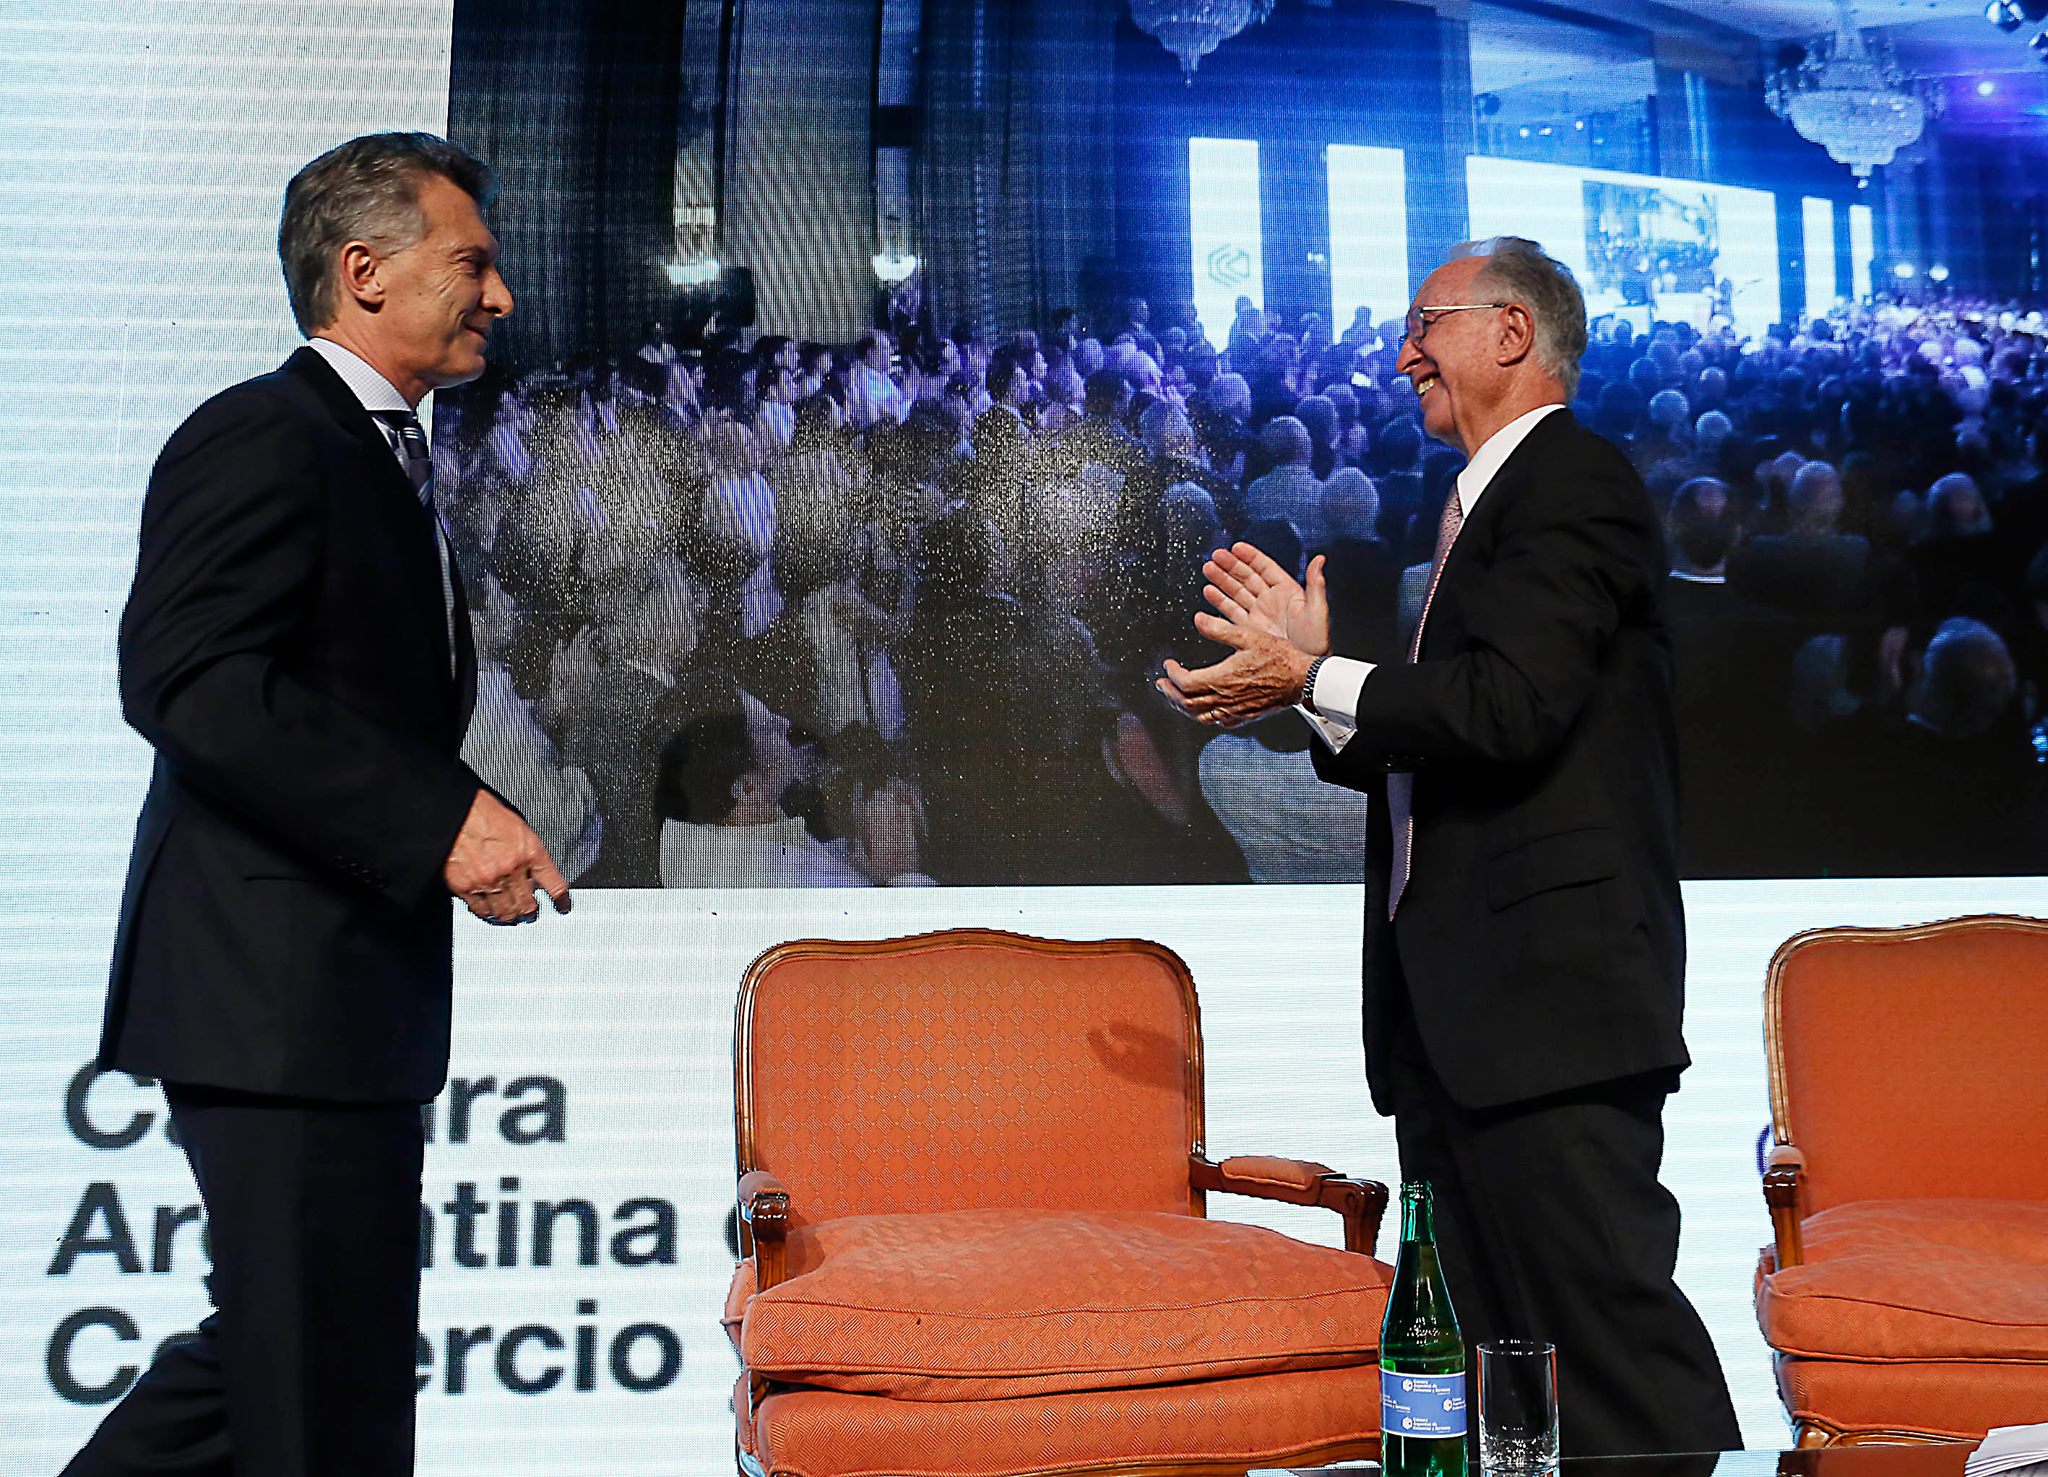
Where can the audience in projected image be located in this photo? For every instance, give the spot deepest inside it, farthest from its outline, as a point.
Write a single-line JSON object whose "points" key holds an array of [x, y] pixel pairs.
{"points": [[885, 612]]}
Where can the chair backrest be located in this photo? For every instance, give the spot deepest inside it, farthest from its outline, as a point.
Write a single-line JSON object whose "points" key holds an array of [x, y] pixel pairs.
{"points": [[1912, 1063], [969, 1069]]}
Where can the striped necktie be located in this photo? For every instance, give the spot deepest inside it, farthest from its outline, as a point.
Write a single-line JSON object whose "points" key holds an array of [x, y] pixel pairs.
{"points": [[419, 469], [1401, 785], [412, 445]]}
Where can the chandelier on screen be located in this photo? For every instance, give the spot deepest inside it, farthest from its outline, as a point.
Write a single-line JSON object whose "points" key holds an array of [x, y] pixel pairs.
{"points": [[1849, 96], [1191, 29]]}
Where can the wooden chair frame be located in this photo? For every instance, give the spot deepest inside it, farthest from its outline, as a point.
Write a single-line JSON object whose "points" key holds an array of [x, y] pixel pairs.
{"points": [[765, 1204], [1784, 1180]]}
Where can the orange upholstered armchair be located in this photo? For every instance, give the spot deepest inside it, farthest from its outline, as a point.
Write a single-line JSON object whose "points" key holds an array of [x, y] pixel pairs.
{"points": [[1907, 1292], [972, 1218]]}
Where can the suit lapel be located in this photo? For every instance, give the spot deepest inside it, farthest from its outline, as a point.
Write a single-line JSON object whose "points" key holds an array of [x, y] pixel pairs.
{"points": [[1519, 467], [390, 483], [348, 413], [1477, 530]]}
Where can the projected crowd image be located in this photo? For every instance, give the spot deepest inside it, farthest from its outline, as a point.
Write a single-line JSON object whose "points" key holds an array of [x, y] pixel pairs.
{"points": [[910, 592], [763, 600]]}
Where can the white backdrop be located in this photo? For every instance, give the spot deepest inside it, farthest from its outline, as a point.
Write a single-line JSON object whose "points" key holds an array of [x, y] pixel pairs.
{"points": [[143, 148]]}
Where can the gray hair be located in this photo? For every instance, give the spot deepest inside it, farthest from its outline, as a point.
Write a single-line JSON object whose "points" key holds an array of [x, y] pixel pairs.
{"points": [[364, 190], [1231, 394], [1523, 272], [1948, 504], [1669, 410], [1967, 679], [1351, 505], [1815, 497], [1165, 431], [1285, 440]]}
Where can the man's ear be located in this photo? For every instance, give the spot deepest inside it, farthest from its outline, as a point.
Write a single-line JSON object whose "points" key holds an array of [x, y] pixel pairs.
{"points": [[1516, 336], [360, 274]]}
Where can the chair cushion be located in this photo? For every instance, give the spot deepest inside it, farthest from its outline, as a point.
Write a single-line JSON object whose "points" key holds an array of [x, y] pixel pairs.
{"points": [[992, 1304], [1956, 1400], [1268, 1420], [1914, 1280]]}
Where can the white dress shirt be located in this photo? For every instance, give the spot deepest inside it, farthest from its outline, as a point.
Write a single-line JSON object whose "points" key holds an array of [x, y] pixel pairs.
{"points": [[377, 393], [1341, 679], [779, 854], [871, 396]]}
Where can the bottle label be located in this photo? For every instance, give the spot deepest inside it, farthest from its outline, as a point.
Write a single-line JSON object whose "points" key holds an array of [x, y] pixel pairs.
{"points": [[1426, 1406]]}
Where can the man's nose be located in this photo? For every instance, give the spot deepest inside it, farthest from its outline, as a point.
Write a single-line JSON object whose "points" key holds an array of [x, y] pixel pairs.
{"points": [[498, 295]]}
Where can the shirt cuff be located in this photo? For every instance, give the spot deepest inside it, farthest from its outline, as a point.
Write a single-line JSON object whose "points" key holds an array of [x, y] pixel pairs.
{"points": [[1334, 714], [1334, 735], [1339, 681]]}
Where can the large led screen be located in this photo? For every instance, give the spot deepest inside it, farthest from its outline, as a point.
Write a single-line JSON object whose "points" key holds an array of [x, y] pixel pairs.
{"points": [[1643, 248]]}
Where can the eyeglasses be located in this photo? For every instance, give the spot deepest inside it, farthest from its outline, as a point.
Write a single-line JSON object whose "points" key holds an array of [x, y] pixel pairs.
{"points": [[1421, 320]]}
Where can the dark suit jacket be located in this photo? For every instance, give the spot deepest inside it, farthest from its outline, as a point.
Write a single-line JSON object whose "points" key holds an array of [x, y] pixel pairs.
{"points": [[1734, 663], [1817, 574], [1364, 578], [285, 927], [1541, 937]]}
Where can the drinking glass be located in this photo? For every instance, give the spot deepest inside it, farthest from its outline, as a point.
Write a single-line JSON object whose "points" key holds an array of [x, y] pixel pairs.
{"points": [[1517, 1408]]}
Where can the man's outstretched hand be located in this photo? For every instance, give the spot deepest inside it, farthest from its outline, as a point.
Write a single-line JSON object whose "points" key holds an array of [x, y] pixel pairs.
{"points": [[498, 863], [1274, 626], [1250, 589]]}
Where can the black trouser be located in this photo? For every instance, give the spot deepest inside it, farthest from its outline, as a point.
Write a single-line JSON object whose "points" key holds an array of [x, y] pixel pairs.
{"points": [[306, 1365], [1551, 1224]]}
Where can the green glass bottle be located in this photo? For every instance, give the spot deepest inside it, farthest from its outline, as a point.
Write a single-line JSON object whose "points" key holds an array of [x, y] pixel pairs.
{"points": [[1422, 1356]]}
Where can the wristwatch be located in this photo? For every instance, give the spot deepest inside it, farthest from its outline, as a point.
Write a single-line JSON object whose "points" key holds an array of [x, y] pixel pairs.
{"points": [[1308, 683]]}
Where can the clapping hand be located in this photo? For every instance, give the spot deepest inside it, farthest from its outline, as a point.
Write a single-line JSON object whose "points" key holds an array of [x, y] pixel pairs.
{"points": [[1274, 626], [1249, 588]]}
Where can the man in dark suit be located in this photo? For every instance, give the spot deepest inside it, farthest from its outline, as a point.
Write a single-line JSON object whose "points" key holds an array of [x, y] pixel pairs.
{"points": [[1811, 569], [296, 650], [1524, 943], [1733, 665]]}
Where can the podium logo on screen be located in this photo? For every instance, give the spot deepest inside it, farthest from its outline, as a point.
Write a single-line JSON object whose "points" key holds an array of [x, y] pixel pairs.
{"points": [[1230, 266], [499, 1222]]}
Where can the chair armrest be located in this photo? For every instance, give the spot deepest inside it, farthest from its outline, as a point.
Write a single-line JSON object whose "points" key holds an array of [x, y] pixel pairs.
{"points": [[1784, 1179], [1299, 1182], [764, 1215]]}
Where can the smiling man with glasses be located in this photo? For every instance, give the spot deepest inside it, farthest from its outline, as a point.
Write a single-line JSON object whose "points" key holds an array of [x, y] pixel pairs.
{"points": [[1421, 318], [1524, 939]]}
